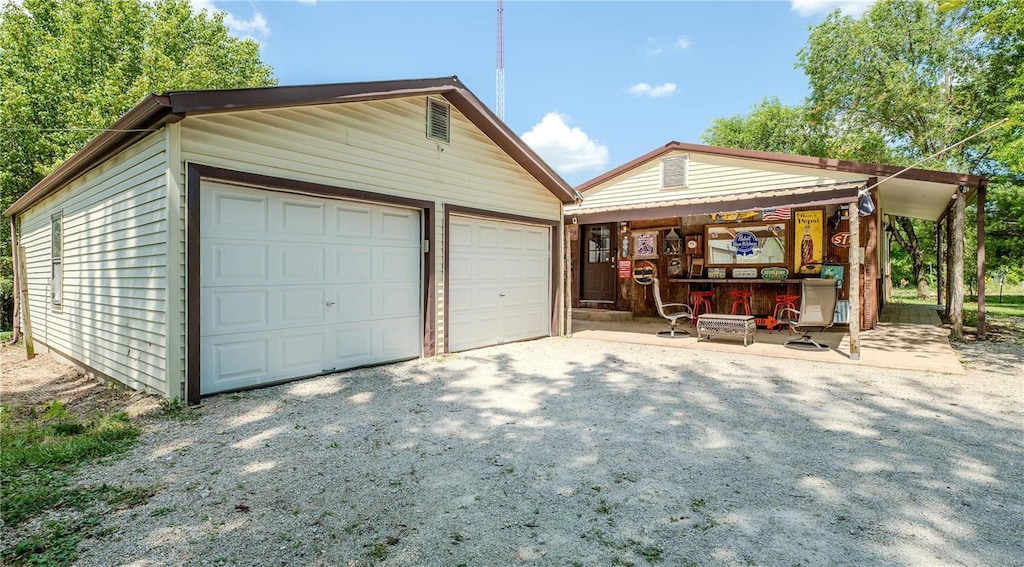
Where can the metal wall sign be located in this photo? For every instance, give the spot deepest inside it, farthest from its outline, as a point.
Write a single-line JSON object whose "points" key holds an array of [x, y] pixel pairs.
{"points": [[841, 239], [745, 243], [644, 272]]}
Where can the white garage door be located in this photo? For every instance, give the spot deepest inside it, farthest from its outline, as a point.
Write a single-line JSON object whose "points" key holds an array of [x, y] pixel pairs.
{"points": [[499, 282], [294, 286]]}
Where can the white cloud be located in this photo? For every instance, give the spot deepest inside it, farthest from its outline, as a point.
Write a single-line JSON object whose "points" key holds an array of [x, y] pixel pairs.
{"points": [[568, 149], [681, 43], [644, 89], [254, 26], [812, 7]]}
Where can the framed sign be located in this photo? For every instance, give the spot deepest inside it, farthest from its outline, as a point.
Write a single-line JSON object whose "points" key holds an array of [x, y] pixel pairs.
{"points": [[750, 244], [808, 249], [675, 266], [646, 245], [696, 267]]}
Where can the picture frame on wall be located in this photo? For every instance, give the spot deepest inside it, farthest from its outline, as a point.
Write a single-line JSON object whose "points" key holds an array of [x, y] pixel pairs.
{"points": [[646, 245], [696, 267]]}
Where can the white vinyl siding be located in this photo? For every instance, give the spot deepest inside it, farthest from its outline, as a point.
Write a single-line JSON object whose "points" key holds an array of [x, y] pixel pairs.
{"points": [[377, 146], [112, 316], [708, 176]]}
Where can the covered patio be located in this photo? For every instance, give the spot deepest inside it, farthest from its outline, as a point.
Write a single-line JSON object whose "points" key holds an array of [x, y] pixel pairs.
{"points": [[908, 337]]}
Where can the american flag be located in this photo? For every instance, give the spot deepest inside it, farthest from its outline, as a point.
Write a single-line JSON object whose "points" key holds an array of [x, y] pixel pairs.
{"points": [[780, 213]]}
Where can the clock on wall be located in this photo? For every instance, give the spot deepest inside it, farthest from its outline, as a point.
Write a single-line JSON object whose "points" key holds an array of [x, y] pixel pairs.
{"points": [[692, 245]]}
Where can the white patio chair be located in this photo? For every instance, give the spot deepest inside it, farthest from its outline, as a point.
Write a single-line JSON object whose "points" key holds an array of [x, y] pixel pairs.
{"points": [[817, 309], [679, 311]]}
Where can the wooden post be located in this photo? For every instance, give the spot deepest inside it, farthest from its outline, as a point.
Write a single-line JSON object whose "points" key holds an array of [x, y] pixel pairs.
{"points": [[854, 282], [567, 255], [956, 274], [869, 315], [940, 281], [980, 203], [16, 311], [30, 348], [949, 260]]}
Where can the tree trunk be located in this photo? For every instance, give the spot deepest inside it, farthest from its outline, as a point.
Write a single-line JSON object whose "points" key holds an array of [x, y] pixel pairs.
{"points": [[907, 239]]}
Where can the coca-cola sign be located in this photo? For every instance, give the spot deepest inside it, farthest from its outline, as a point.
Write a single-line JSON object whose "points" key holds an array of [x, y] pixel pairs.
{"points": [[841, 239]]}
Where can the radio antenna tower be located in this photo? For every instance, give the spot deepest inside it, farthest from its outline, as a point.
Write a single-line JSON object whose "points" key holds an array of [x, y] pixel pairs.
{"points": [[500, 72]]}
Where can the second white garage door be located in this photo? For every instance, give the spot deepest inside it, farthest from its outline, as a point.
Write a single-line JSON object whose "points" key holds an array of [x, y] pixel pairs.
{"points": [[499, 282], [294, 285]]}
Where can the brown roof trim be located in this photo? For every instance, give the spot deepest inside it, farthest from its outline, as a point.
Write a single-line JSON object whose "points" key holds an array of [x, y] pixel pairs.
{"points": [[155, 110], [870, 169]]}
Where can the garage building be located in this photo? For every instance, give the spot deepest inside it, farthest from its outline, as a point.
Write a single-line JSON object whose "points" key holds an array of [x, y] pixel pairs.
{"points": [[211, 241]]}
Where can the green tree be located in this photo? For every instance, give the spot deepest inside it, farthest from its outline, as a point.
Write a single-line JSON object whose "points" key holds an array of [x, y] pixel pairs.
{"points": [[68, 69], [905, 71], [774, 127]]}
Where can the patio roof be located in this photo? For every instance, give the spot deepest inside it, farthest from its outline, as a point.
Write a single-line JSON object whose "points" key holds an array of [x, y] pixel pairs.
{"points": [[815, 195], [915, 193]]}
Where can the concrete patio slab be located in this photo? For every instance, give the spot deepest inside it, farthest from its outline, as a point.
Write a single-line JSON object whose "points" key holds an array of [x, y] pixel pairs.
{"points": [[908, 337]]}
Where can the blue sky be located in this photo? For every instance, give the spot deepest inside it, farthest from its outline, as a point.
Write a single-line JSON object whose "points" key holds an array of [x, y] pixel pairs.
{"points": [[590, 85]]}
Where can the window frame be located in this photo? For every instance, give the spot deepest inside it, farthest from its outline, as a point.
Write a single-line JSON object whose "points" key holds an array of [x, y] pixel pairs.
{"points": [[57, 260]]}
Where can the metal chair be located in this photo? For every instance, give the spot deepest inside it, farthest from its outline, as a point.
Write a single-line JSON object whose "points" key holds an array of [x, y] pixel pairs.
{"points": [[817, 309], [679, 311]]}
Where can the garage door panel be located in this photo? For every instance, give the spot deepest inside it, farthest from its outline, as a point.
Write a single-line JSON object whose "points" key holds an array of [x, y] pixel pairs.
{"points": [[353, 345], [353, 263], [233, 212], [233, 364], [317, 287], [302, 218], [395, 301], [302, 354], [233, 263], [235, 311], [354, 221], [302, 306], [396, 264], [302, 263], [499, 282], [399, 227]]}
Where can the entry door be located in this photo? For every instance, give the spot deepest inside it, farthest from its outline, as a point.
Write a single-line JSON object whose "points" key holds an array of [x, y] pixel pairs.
{"points": [[598, 261]]}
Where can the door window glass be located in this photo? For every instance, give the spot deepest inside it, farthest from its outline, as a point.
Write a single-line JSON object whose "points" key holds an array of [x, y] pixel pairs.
{"points": [[599, 244]]}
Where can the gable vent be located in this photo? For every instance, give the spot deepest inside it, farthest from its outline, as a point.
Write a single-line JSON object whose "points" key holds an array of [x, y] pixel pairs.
{"points": [[675, 172], [438, 120]]}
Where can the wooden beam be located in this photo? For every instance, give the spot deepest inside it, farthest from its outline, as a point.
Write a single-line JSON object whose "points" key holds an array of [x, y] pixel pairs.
{"points": [[956, 274], [30, 347], [854, 282], [980, 203]]}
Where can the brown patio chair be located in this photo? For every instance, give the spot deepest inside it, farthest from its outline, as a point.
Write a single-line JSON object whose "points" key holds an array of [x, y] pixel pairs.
{"points": [[678, 311], [817, 309]]}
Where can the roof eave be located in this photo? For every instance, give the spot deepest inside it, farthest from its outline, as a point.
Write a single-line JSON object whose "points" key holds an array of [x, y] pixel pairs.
{"points": [[152, 111], [868, 169]]}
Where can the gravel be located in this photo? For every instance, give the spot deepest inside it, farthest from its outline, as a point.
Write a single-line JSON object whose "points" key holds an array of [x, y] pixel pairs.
{"points": [[574, 452]]}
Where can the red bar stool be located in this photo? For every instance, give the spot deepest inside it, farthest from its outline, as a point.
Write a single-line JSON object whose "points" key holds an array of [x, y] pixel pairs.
{"points": [[783, 302], [700, 300], [742, 299]]}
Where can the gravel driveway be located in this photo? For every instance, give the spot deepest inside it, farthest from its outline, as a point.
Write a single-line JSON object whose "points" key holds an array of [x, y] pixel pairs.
{"points": [[574, 452]]}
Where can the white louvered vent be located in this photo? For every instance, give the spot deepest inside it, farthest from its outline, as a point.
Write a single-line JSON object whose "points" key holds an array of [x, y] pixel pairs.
{"points": [[675, 172], [438, 120]]}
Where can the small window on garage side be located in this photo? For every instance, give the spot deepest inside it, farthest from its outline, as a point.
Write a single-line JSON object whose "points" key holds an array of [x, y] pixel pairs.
{"points": [[56, 258], [675, 172]]}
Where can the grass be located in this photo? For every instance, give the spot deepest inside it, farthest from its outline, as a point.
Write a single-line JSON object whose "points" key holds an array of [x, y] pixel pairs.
{"points": [[39, 455], [5, 335], [1006, 311]]}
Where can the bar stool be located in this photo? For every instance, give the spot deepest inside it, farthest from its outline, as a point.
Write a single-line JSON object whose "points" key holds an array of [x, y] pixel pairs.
{"points": [[742, 299], [699, 300], [783, 302]]}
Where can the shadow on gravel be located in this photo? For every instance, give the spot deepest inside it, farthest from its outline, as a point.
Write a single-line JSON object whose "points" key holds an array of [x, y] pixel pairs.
{"points": [[556, 453]]}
